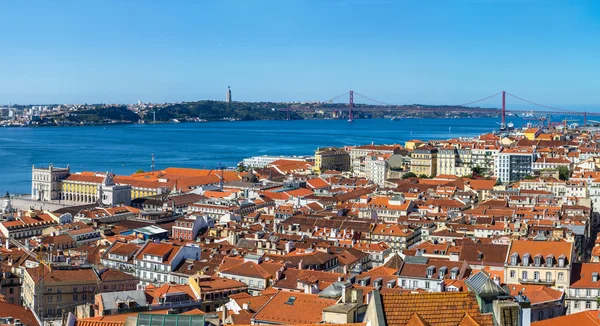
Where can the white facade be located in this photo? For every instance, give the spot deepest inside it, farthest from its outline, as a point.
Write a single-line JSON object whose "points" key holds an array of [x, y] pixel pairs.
{"points": [[511, 166], [376, 169], [45, 182], [262, 161]]}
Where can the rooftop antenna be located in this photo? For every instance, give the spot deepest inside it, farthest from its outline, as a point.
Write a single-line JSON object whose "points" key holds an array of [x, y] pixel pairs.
{"points": [[152, 162]]}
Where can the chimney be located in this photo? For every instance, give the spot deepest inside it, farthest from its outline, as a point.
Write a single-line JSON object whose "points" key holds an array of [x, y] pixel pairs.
{"points": [[224, 315], [300, 265]]}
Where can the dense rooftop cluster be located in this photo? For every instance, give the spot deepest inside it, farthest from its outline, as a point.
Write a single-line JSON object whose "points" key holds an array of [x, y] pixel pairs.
{"points": [[483, 231]]}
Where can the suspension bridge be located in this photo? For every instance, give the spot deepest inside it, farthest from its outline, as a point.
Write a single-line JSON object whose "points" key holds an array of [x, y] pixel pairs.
{"points": [[351, 109]]}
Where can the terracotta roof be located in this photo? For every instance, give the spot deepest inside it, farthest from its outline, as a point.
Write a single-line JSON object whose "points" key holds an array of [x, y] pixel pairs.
{"points": [[293, 308], [444, 308], [544, 248], [18, 312], [537, 294], [589, 317], [581, 275], [248, 269], [82, 275], [483, 254], [116, 275]]}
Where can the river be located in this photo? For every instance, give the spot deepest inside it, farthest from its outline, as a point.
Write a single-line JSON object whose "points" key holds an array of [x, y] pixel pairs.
{"points": [[124, 149]]}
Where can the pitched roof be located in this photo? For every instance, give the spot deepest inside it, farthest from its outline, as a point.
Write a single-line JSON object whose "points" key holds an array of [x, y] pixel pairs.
{"points": [[18, 312], [293, 308], [589, 317], [445, 308], [544, 248]]}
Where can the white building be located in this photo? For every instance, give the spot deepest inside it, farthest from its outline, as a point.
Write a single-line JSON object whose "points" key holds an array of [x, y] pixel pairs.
{"points": [[376, 168], [454, 161], [513, 164], [46, 182], [155, 262], [584, 291], [262, 161]]}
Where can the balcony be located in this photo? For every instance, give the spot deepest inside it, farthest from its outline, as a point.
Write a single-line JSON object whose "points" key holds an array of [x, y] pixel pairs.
{"points": [[176, 304], [536, 282]]}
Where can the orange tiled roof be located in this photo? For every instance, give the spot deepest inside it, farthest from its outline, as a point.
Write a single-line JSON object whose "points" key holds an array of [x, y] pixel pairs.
{"points": [[589, 317], [305, 309], [444, 308]]}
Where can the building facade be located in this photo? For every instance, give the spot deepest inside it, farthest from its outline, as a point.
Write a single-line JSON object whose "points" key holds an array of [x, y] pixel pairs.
{"points": [[331, 158], [512, 165], [46, 182], [423, 161]]}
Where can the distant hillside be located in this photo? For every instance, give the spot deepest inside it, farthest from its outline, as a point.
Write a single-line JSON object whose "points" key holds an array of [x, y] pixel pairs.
{"points": [[100, 115], [215, 110]]}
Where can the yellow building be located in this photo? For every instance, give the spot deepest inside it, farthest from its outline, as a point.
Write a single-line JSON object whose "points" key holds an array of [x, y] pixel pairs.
{"points": [[331, 158], [412, 144], [532, 133], [539, 262], [83, 188], [423, 160]]}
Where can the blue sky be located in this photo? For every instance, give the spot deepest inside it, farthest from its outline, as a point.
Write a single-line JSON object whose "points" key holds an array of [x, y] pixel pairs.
{"points": [[437, 52]]}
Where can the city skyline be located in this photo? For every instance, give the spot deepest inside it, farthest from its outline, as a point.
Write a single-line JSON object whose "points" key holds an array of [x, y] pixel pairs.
{"points": [[396, 52]]}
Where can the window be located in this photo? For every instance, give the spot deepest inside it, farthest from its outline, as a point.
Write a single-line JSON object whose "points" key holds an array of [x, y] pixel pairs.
{"points": [[49, 298], [541, 315], [588, 293], [551, 313], [548, 276], [427, 285], [526, 259], [561, 262], [561, 276], [588, 305], [576, 306], [75, 297], [513, 274], [536, 276], [524, 275]]}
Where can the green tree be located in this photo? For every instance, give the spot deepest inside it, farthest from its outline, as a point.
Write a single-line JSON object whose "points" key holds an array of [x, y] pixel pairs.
{"points": [[423, 176], [408, 175], [139, 171], [564, 173]]}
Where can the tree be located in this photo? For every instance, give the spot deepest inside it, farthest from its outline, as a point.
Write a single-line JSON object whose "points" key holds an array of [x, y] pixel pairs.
{"points": [[423, 176], [241, 168], [139, 171], [564, 173], [408, 175]]}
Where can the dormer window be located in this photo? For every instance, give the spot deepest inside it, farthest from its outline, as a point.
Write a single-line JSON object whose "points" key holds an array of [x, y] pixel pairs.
{"points": [[430, 271], [595, 277], [537, 260], [454, 273], [549, 260], [442, 272], [526, 258], [514, 259], [561, 261]]}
